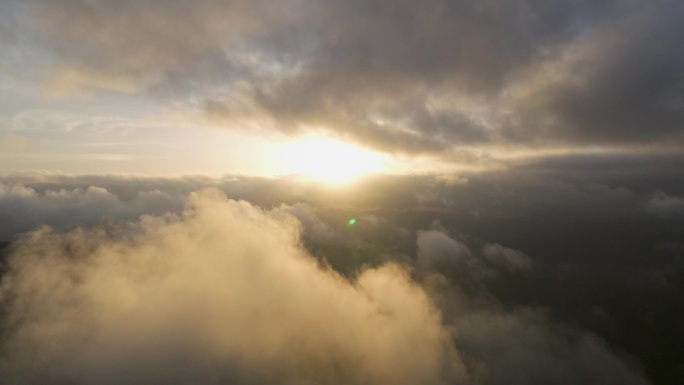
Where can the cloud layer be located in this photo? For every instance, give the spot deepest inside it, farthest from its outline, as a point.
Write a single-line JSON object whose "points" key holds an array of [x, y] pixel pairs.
{"points": [[438, 77], [221, 294], [560, 261], [226, 292]]}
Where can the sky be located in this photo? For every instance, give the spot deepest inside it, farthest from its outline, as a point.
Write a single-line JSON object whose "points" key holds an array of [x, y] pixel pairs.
{"points": [[178, 179], [218, 87]]}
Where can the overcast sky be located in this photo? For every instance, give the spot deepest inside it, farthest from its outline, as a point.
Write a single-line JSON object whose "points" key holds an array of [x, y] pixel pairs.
{"points": [[132, 86], [178, 179]]}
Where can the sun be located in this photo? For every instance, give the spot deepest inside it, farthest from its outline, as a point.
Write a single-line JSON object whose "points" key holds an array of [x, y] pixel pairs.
{"points": [[329, 160]]}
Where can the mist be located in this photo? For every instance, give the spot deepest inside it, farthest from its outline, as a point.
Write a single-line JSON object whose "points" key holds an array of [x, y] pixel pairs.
{"points": [[222, 293], [225, 292]]}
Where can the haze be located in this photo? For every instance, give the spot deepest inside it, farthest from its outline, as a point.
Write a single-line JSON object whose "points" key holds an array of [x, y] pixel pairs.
{"points": [[474, 192]]}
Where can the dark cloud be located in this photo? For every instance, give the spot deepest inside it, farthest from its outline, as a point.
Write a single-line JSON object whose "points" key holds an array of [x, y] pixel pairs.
{"points": [[409, 76], [24, 208], [509, 258], [561, 263], [600, 187], [625, 85], [436, 249]]}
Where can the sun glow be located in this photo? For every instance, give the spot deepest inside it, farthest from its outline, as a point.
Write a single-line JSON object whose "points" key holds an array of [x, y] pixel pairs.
{"points": [[329, 160]]}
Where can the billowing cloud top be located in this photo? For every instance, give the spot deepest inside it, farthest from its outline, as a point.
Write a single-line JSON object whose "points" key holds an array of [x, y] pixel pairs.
{"points": [[224, 292], [221, 294]]}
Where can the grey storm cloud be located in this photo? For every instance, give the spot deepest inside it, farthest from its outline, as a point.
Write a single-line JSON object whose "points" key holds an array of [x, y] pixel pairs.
{"points": [[512, 259], [409, 76], [436, 248], [624, 85], [23, 208]]}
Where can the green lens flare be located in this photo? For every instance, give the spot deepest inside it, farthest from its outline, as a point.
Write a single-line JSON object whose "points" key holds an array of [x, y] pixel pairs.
{"points": [[352, 221]]}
